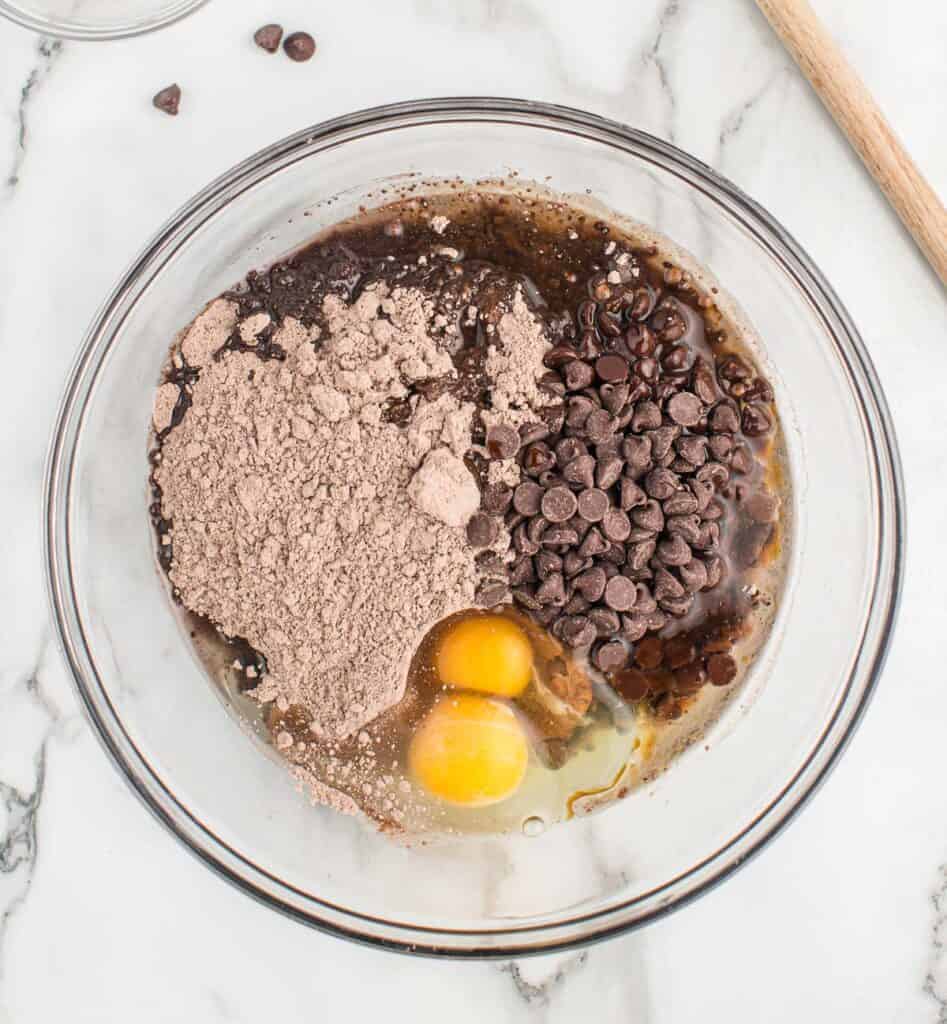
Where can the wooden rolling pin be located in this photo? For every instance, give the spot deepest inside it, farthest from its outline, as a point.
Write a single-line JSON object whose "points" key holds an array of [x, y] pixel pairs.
{"points": [[856, 113]]}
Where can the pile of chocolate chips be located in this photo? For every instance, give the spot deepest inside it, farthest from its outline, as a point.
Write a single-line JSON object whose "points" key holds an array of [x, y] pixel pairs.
{"points": [[616, 526]]}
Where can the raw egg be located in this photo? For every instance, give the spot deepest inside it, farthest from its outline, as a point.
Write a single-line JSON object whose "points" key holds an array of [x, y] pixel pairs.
{"points": [[469, 750], [487, 653]]}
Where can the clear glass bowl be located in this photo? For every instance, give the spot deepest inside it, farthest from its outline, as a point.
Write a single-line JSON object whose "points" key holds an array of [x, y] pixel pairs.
{"points": [[96, 19], [167, 729]]}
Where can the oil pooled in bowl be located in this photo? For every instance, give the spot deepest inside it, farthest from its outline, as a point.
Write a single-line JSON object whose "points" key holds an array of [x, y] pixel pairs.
{"points": [[578, 734]]}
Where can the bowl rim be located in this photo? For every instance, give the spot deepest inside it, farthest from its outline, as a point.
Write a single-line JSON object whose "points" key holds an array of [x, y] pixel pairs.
{"points": [[69, 29], [583, 929]]}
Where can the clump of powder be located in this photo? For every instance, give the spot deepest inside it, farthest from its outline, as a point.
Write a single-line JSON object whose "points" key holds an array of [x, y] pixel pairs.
{"points": [[512, 364], [289, 497]]}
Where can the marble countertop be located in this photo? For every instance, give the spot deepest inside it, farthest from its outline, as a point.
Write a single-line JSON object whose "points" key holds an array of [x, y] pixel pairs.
{"points": [[103, 917]]}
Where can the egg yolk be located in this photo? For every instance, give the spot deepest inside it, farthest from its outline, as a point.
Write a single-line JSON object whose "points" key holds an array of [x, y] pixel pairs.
{"points": [[469, 750], [487, 653]]}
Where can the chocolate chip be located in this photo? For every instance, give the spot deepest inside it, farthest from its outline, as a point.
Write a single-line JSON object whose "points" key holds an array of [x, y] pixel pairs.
{"points": [[703, 382], [692, 447], [614, 397], [713, 511], [491, 593], [608, 448], [552, 590], [611, 368], [647, 416], [481, 530], [537, 458], [593, 544], [168, 100], [720, 445], [527, 498], [526, 596], [570, 448], [490, 562], [578, 410], [661, 440], [630, 495], [522, 542], [580, 471], [709, 537], [560, 536], [559, 355], [694, 575], [299, 46], [714, 473], [688, 679], [610, 656], [703, 492], [645, 603], [609, 325], [577, 375], [721, 669], [620, 593], [549, 479], [687, 527], [637, 453], [647, 369], [680, 503], [608, 471], [680, 650], [675, 551], [685, 409], [676, 359], [503, 441], [615, 555], [536, 528], [661, 483], [576, 605], [599, 425], [546, 563], [715, 571], [558, 504], [657, 620], [650, 653], [586, 314], [591, 584], [616, 525], [640, 554], [593, 504], [605, 621], [632, 684], [573, 563], [756, 420], [649, 516], [665, 586], [634, 627], [522, 571], [723, 418], [577, 630], [742, 461], [495, 499], [268, 37], [580, 525]]}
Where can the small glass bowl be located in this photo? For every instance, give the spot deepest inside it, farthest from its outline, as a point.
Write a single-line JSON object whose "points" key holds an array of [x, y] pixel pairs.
{"points": [[96, 19], [723, 799]]}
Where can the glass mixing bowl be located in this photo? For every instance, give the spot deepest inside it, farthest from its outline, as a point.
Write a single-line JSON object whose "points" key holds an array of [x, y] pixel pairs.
{"points": [[189, 760], [96, 19]]}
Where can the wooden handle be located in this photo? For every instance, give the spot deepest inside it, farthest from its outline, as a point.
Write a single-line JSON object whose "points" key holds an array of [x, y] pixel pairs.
{"points": [[856, 113]]}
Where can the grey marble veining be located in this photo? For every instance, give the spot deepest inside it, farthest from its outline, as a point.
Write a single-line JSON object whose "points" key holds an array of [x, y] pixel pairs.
{"points": [[102, 916]]}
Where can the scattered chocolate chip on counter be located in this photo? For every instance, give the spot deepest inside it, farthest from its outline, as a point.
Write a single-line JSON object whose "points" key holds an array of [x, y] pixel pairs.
{"points": [[299, 46], [168, 100], [268, 37]]}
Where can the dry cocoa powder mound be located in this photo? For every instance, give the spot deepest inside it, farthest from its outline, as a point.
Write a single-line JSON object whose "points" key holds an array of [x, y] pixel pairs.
{"points": [[291, 502]]}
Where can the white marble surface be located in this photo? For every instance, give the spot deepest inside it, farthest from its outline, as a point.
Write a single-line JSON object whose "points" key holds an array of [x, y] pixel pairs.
{"points": [[102, 916]]}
